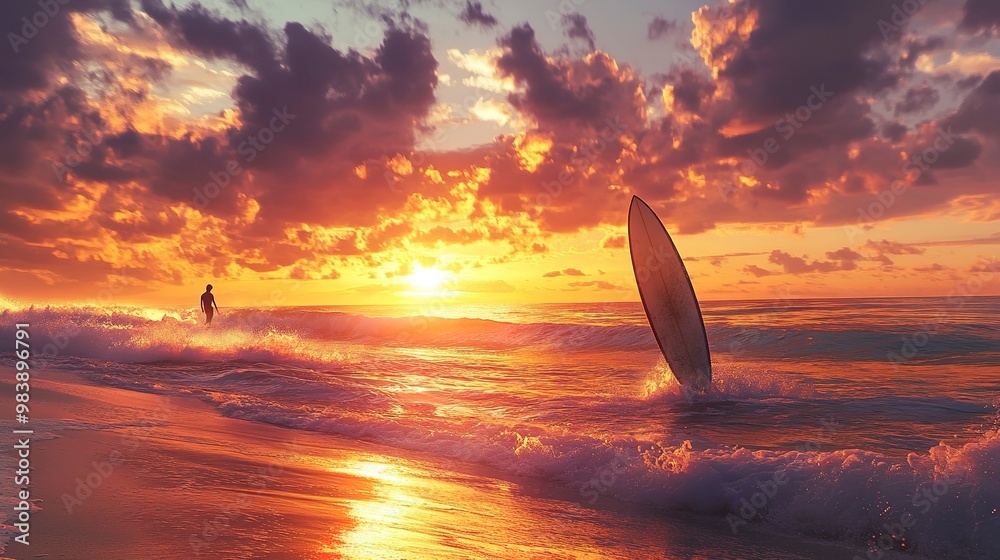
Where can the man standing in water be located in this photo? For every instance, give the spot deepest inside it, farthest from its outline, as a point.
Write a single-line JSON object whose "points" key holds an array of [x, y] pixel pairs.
{"points": [[207, 301]]}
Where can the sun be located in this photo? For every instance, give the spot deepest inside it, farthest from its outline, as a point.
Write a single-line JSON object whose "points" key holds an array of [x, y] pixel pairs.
{"points": [[427, 278]]}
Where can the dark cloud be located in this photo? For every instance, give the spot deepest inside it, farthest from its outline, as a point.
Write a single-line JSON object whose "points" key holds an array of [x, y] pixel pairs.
{"points": [[894, 131], [212, 36], [790, 51], [969, 82], [980, 110], [917, 100], [660, 27], [981, 16], [691, 88], [547, 95], [757, 271], [847, 257], [921, 45], [473, 14], [347, 110], [843, 259], [783, 87], [962, 152], [576, 28], [32, 55]]}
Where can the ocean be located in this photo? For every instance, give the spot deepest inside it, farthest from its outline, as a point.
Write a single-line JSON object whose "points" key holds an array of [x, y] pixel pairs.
{"points": [[870, 423]]}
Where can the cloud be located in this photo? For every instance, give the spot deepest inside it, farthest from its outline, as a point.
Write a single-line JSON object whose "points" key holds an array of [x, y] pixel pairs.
{"points": [[688, 90], [564, 272], [214, 37], [757, 271], [360, 176], [32, 63], [894, 131], [967, 64], [123, 181], [718, 260], [988, 266], [473, 14], [916, 100], [981, 16], [660, 27], [771, 68], [576, 28], [843, 260], [559, 92], [847, 258], [449, 236], [346, 109], [613, 241], [980, 110], [482, 66], [885, 247], [490, 110], [992, 240], [597, 285], [580, 112]]}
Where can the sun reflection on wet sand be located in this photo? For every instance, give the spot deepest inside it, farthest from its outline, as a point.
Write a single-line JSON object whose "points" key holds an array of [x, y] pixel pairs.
{"points": [[411, 513]]}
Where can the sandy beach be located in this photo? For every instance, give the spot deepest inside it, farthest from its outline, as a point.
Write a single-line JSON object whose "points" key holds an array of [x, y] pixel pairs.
{"points": [[138, 475]]}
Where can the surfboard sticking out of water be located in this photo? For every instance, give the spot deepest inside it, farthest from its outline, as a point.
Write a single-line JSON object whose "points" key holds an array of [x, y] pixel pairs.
{"points": [[668, 298]]}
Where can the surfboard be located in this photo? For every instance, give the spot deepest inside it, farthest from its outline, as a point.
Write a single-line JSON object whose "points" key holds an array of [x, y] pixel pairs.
{"points": [[668, 298]]}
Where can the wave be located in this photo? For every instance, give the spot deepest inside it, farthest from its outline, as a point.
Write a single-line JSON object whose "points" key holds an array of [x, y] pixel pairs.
{"points": [[941, 503], [123, 334], [310, 337]]}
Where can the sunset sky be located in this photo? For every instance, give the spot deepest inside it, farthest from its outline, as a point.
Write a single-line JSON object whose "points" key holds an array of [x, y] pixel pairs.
{"points": [[319, 152]]}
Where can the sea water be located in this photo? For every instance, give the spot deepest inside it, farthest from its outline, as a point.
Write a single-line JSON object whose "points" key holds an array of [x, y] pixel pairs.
{"points": [[868, 422]]}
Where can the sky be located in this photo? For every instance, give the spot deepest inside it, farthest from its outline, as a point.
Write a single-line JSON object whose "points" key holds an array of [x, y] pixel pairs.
{"points": [[432, 152]]}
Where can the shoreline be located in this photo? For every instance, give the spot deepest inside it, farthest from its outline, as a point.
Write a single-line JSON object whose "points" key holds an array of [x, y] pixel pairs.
{"points": [[175, 480]]}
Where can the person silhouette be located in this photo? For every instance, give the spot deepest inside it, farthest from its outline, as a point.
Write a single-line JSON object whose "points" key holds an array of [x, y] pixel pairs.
{"points": [[207, 301]]}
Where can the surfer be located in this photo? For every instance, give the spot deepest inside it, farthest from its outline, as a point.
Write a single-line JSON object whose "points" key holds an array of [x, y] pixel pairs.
{"points": [[207, 301]]}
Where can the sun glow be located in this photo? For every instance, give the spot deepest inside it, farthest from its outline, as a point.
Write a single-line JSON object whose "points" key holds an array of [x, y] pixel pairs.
{"points": [[427, 278]]}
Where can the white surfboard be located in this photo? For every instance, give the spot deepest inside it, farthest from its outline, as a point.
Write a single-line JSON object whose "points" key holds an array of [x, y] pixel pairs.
{"points": [[668, 298]]}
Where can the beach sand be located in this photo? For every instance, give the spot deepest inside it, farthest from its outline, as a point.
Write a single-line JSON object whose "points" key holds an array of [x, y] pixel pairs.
{"points": [[138, 475]]}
